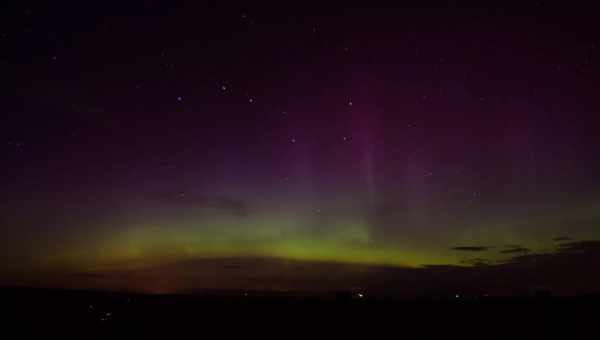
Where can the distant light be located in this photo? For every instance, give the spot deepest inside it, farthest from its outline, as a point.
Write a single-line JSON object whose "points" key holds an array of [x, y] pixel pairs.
{"points": [[223, 87], [361, 295], [251, 100], [350, 103], [179, 98], [457, 296]]}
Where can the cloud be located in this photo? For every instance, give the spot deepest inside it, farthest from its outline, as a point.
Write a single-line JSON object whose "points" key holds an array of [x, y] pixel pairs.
{"points": [[470, 248], [580, 247], [233, 206], [516, 250], [581, 252], [561, 238], [476, 262]]}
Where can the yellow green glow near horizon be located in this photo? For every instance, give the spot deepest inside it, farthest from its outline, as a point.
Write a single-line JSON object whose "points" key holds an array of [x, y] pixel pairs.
{"points": [[142, 244], [151, 244]]}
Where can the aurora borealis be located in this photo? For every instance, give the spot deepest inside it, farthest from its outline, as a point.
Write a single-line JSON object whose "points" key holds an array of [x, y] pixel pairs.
{"points": [[163, 133]]}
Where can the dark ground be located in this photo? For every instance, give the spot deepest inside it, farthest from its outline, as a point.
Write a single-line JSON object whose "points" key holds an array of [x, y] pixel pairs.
{"points": [[88, 314]]}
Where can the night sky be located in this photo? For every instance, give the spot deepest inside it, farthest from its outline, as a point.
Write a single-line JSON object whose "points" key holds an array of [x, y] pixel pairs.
{"points": [[149, 142]]}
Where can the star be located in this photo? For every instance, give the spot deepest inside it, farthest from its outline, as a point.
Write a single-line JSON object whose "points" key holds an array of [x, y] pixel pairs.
{"points": [[350, 103], [223, 87], [293, 140], [251, 100], [179, 98]]}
